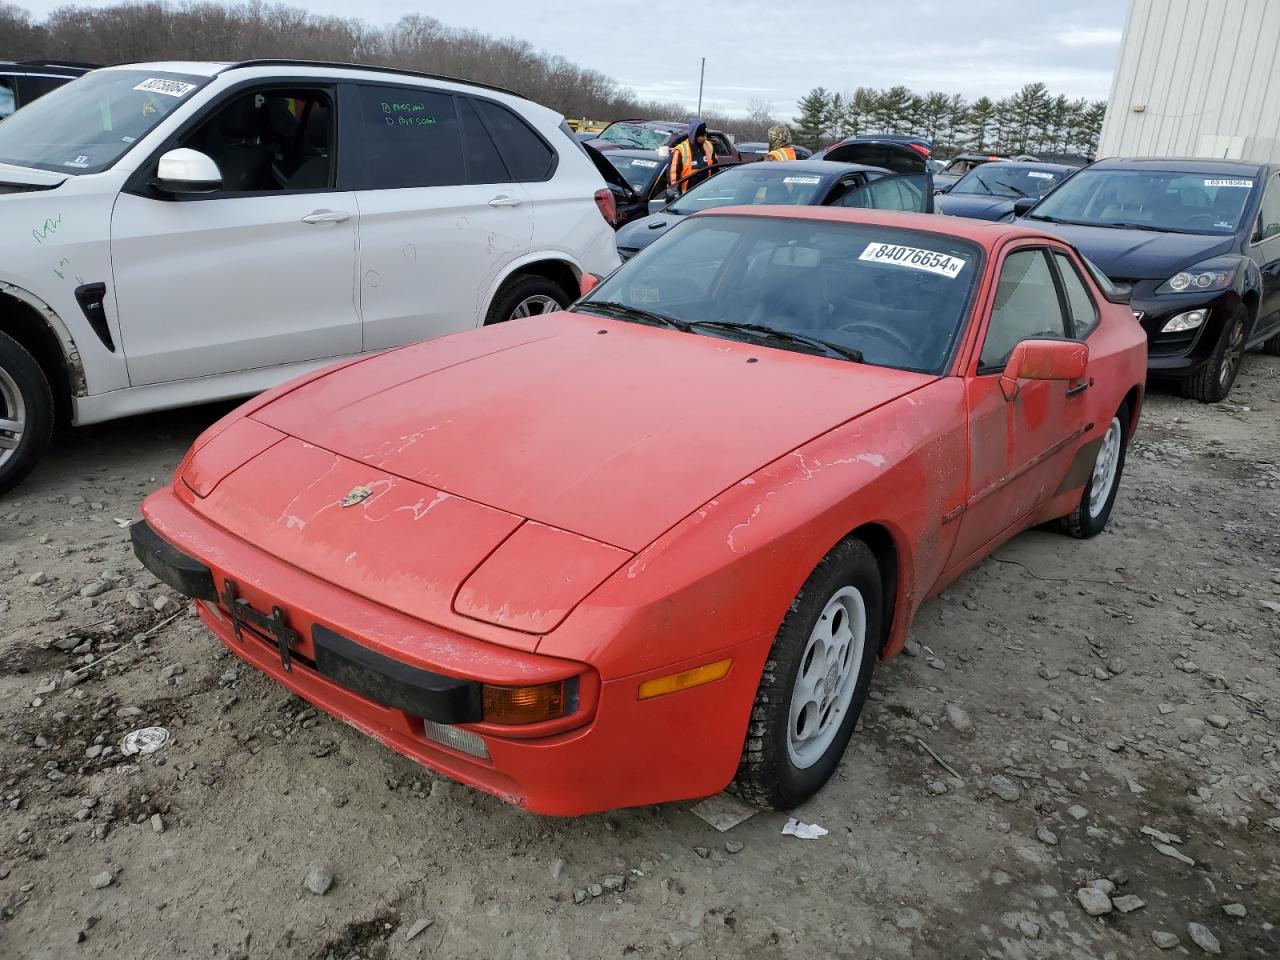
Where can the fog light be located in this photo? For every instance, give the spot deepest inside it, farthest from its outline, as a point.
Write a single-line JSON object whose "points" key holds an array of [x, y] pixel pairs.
{"points": [[464, 741], [519, 705], [1185, 321], [672, 682]]}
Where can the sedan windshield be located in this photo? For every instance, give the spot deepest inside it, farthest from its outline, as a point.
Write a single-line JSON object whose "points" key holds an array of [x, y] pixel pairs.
{"points": [[629, 135], [849, 291], [90, 123], [1162, 200], [755, 183], [995, 180], [637, 171]]}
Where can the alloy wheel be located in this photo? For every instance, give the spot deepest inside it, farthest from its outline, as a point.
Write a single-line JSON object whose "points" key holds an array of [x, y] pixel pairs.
{"points": [[827, 677], [13, 416], [1105, 468], [1232, 356], [534, 306]]}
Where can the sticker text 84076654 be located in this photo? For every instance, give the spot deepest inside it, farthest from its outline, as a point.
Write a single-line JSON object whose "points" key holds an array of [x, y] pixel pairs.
{"points": [[914, 258]]}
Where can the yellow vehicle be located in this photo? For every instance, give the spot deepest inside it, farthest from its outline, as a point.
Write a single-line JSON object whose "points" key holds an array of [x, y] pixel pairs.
{"points": [[586, 126]]}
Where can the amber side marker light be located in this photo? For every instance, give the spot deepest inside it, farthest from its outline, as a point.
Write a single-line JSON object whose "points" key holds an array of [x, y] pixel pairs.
{"points": [[674, 682], [518, 705]]}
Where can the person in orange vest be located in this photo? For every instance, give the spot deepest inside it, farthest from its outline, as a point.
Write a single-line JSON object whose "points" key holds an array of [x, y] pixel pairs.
{"points": [[688, 157], [780, 143]]}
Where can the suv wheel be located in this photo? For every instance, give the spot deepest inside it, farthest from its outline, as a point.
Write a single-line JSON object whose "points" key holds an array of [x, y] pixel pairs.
{"points": [[1212, 382], [526, 297], [26, 412], [1272, 346]]}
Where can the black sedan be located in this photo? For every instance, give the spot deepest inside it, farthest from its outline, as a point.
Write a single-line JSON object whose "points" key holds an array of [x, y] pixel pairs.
{"points": [[796, 182], [988, 192], [1198, 241]]}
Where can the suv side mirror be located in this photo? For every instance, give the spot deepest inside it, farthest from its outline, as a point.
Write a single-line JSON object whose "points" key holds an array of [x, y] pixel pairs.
{"points": [[187, 171], [1066, 360], [1023, 205]]}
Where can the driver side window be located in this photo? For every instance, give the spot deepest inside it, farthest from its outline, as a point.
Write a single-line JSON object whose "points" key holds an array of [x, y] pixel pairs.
{"points": [[270, 141], [1026, 305]]}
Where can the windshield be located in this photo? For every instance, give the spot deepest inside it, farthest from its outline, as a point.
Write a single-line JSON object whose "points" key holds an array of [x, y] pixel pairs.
{"points": [[1154, 200], [756, 183], [637, 171], [899, 297], [997, 180], [629, 135], [90, 123]]}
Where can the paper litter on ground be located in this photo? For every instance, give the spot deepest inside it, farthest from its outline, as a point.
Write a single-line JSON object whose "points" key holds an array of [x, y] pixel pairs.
{"points": [[805, 831]]}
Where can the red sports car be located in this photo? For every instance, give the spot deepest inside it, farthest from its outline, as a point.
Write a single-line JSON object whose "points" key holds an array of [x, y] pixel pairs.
{"points": [[636, 551]]}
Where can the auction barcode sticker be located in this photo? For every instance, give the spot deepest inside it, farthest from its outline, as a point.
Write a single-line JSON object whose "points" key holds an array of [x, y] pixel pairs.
{"points": [[1039, 175], [801, 179], [1229, 183], [170, 88], [914, 258], [644, 163]]}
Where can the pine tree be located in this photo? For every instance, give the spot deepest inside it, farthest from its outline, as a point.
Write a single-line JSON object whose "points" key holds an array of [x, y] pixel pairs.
{"points": [[814, 114]]}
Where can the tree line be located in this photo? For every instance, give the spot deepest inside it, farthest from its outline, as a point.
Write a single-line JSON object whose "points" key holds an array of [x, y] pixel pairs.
{"points": [[1026, 122], [1031, 121]]}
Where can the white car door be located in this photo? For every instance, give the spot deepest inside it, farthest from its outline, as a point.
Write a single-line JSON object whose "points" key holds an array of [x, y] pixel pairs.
{"points": [[259, 273], [440, 215]]}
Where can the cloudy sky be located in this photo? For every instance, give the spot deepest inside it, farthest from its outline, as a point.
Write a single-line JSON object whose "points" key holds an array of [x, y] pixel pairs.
{"points": [[777, 51]]}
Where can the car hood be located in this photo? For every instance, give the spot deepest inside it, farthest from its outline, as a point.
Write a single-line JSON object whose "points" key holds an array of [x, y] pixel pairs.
{"points": [[1137, 254], [28, 178], [978, 206], [609, 430], [638, 234]]}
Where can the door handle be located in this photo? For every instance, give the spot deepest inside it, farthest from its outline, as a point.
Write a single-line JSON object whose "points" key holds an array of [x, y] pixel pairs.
{"points": [[1080, 387], [502, 200], [327, 216]]}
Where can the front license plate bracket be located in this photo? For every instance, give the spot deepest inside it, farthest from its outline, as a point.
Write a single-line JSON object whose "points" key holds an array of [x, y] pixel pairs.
{"points": [[276, 625]]}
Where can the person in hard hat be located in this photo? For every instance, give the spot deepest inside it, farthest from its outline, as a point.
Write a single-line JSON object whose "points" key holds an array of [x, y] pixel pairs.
{"points": [[780, 147], [690, 155]]}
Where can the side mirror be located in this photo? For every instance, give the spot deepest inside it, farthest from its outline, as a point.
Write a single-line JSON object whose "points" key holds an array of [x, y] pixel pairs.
{"points": [[1022, 205], [187, 171], [657, 205], [1066, 360], [588, 283]]}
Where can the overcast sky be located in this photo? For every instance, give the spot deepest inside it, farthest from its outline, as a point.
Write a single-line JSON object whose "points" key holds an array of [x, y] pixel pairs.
{"points": [[777, 50]]}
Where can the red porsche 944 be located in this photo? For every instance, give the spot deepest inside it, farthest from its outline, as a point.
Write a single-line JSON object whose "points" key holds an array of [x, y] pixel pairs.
{"points": [[655, 545]]}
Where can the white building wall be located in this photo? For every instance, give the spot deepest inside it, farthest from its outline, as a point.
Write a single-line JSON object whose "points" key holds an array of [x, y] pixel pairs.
{"points": [[1197, 78]]}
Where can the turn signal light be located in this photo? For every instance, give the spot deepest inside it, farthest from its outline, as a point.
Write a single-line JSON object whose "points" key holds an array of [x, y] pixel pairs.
{"points": [[520, 705], [674, 682]]}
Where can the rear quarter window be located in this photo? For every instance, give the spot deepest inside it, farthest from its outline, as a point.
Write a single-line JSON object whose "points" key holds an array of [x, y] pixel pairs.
{"points": [[527, 156]]}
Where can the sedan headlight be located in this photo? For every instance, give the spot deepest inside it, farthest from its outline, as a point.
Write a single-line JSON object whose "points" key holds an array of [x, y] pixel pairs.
{"points": [[1185, 321], [1202, 278]]}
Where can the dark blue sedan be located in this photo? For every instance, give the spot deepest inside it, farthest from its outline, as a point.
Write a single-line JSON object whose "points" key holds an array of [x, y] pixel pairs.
{"points": [[989, 192]]}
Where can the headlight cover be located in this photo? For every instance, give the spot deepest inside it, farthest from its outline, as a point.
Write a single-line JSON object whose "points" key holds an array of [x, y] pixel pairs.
{"points": [[1206, 277]]}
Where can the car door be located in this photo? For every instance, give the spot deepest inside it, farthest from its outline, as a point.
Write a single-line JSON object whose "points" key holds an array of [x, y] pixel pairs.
{"points": [[1265, 250], [440, 214], [258, 273], [1020, 448]]}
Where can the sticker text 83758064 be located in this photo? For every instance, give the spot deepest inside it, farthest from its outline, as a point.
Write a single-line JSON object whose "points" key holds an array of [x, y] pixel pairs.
{"points": [[914, 258]]}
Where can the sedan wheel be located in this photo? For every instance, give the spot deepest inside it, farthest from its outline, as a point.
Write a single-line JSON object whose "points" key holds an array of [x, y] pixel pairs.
{"points": [[828, 674], [1105, 468], [1093, 511]]}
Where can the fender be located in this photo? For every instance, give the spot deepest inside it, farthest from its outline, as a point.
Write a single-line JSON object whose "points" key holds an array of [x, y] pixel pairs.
{"points": [[515, 266], [70, 352]]}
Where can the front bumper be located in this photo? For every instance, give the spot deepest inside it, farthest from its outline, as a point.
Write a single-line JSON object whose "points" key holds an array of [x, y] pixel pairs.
{"points": [[414, 677], [1182, 354]]}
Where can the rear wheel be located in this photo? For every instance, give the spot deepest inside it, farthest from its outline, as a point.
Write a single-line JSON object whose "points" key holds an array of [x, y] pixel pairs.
{"points": [[1272, 346], [527, 297], [1091, 514], [815, 681], [26, 412], [1212, 382]]}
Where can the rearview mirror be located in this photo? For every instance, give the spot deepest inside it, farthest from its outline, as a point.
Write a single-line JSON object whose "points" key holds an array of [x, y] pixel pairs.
{"points": [[187, 171], [1066, 360], [1023, 205]]}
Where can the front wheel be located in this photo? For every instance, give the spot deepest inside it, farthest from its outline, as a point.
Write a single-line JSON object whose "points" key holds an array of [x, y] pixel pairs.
{"points": [[526, 297], [26, 412], [1091, 514], [815, 681], [1212, 382]]}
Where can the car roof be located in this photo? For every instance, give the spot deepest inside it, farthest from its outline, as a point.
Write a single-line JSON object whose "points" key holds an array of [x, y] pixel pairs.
{"points": [[985, 233], [1194, 165], [823, 168], [1030, 165]]}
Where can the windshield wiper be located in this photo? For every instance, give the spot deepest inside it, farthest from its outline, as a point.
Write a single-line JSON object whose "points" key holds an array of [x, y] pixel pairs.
{"points": [[1010, 186], [1124, 225], [1048, 219], [787, 336], [624, 311]]}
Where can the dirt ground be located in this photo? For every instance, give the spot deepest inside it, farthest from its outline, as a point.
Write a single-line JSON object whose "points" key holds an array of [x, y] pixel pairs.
{"points": [[1110, 710]]}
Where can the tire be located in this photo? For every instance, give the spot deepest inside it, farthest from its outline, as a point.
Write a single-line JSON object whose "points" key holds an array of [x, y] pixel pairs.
{"points": [[1272, 346], [27, 401], [1091, 514], [781, 766], [531, 294], [1212, 382]]}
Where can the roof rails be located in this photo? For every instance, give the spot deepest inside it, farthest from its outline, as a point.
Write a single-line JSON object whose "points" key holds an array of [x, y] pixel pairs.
{"points": [[72, 64], [337, 64]]}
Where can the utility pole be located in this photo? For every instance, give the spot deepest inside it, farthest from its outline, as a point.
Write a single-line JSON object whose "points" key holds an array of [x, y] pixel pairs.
{"points": [[701, 76]]}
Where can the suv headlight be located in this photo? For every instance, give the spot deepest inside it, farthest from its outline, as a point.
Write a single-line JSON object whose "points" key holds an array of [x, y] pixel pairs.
{"points": [[1202, 278]]}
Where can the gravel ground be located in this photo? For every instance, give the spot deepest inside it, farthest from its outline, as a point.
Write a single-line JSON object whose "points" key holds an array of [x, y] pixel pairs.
{"points": [[1080, 758]]}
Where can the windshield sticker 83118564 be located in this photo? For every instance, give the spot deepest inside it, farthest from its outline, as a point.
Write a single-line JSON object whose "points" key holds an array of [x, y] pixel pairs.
{"points": [[170, 88], [914, 258], [1229, 183]]}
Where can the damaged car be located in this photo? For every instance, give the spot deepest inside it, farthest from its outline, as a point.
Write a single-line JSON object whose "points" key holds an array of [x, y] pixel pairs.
{"points": [[989, 191], [655, 545]]}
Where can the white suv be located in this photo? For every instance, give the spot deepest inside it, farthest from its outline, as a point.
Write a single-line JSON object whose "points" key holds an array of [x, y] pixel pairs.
{"points": [[174, 233]]}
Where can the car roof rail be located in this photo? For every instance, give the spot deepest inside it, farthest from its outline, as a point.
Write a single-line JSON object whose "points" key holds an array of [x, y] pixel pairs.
{"points": [[339, 65], [73, 64]]}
